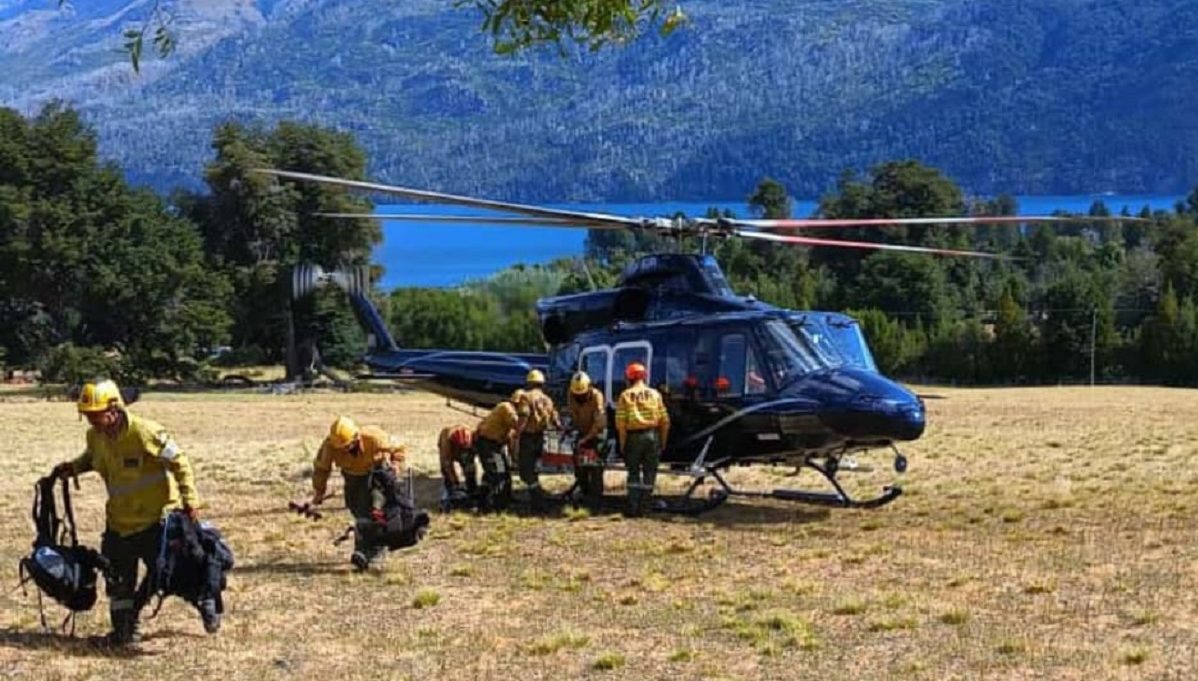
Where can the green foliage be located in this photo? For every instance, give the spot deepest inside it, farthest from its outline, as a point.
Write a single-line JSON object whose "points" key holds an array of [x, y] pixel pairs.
{"points": [[770, 200], [256, 230], [493, 314], [519, 24], [72, 365], [88, 261]]}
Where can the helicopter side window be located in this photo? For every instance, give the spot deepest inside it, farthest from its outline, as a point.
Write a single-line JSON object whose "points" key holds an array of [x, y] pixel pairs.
{"points": [[594, 362], [733, 369], [625, 355]]}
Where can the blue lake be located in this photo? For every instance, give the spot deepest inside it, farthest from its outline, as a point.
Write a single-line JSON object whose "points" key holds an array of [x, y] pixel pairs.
{"points": [[433, 254]]}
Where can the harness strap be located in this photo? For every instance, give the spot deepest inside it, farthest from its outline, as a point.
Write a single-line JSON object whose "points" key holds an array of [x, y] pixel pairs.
{"points": [[70, 512]]}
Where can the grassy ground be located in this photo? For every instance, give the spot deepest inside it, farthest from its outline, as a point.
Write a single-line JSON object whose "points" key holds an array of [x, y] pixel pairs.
{"points": [[1046, 533]]}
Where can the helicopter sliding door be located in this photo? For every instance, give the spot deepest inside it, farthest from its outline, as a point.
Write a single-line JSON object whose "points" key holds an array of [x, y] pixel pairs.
{"points": [[605, 365], [595, 361]]}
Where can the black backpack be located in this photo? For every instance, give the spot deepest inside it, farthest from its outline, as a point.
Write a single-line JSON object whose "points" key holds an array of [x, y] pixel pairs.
{"points": [[406, 524], [65, 572], [193, 561]]}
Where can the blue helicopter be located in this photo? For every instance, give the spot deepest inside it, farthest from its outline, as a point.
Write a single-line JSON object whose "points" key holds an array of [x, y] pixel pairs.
{"points": [[745, 382]]}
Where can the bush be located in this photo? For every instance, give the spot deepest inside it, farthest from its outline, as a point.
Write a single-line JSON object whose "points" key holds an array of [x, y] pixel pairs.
{"points": [[69, 364]]}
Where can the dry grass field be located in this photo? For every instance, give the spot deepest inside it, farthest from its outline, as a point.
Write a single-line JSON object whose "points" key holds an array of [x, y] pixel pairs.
{"points": [[1045, 533]]}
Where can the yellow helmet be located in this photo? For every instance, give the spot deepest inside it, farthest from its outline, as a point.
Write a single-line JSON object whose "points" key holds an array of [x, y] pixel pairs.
{"points": [[96, 397], [535, 377], [580, 384], [342, 432]]}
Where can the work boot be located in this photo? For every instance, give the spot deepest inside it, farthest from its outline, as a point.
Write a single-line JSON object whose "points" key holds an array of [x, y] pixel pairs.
{"points": [[209, 615], [359, 560], [632, 508], [537, 500], [124, 630]]}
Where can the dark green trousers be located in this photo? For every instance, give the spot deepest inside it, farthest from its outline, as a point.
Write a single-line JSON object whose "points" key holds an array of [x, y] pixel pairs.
{"points": [[496, 489], [125, 599], [641, 456], [532, 447], [359, 502]]}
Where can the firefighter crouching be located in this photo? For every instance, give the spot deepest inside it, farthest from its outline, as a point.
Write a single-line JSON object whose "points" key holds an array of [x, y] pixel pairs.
{"points": [[497, 429], [588, 415], [539, 413], [643, 425], [455, 447], [355, 450], [147, 476]]}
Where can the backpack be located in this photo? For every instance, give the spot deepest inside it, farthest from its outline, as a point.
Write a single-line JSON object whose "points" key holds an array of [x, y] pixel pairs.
{"points": [[406, 525], [65, 572], [193, 560]]}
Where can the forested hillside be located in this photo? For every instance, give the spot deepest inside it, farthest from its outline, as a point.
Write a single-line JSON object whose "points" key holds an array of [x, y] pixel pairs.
{"points": [[1054, 96]]}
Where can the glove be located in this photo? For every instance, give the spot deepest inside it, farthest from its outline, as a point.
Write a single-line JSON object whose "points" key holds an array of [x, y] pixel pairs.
{"points": [[63, 470], [377, 515]]}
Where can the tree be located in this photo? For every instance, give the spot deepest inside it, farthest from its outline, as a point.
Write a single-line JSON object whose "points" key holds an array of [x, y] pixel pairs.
{"points": [[1013, 352], [88, 261], [770, 200], [257, 229]]}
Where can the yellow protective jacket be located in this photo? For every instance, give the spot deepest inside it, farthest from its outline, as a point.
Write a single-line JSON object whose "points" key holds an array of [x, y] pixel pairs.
{"points": [[641, 408], [145, 472], [377, 445], [539, 409], [498, 425], [588, 415]]}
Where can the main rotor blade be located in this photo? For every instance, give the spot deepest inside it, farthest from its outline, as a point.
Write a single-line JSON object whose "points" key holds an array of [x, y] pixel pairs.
{"points": [[438, 197], [804, 223], [483, 220], [812, 241]]}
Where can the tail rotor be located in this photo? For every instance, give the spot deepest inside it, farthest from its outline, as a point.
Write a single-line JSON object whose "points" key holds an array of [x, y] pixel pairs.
{"points": [[307, 277]]}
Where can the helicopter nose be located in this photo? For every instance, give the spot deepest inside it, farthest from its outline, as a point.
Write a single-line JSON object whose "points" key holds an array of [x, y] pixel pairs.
{"points": [[872, 407]]}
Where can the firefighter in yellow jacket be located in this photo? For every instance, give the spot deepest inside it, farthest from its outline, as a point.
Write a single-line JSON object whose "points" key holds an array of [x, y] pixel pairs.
{"points": [[147, 475], [643, 425], [497, 429], [354, 450], [588, 416], [539, 413]]}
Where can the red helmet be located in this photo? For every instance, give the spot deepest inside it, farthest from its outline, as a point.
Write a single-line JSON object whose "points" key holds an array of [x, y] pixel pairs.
{"points": [[460, 438], [635, 372]]}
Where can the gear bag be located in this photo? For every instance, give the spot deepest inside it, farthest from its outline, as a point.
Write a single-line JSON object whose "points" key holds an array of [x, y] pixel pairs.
{"points": [[65, 572], [406, 525], [193, 561]]}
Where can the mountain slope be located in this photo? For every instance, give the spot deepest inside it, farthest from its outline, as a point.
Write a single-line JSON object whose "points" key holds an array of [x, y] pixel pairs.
{"points": [[1049, 97]]}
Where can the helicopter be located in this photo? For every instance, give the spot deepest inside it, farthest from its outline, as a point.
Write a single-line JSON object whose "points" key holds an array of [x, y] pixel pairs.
{"points": [[745, 382]]}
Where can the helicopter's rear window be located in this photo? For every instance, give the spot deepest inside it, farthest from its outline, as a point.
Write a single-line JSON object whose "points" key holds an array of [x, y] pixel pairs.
{"points": [[739, 371]]}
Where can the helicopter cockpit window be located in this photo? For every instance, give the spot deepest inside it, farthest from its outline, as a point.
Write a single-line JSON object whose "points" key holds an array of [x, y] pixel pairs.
{"points": [[818, 341], [787, 356]]}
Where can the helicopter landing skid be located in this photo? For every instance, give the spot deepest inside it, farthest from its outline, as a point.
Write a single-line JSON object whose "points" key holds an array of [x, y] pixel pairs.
{"points": [[838, 499]]}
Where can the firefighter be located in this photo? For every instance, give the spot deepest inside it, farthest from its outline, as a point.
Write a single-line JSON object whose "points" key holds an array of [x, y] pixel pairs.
{"points": [[147, 475], [539, 413], [588, 415], [497, 430], [642, 425], [455, 445], [355, 450]]}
